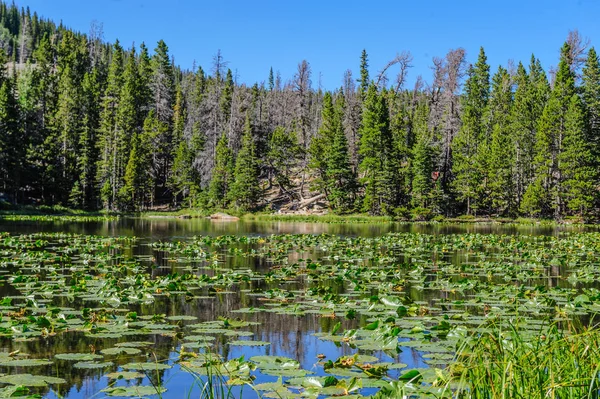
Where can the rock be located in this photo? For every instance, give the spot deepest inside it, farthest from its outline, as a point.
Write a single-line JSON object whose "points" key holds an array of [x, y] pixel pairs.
{"points": [[224, 217]]}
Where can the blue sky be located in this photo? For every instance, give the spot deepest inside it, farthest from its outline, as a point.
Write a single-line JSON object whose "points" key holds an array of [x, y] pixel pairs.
{"points": [[254, 35]]}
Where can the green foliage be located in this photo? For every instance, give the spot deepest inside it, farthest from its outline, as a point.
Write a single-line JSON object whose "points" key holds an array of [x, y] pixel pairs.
{"points": [[378, 167], [470, 148], [222, 175], [282, 156], [246, 191]]}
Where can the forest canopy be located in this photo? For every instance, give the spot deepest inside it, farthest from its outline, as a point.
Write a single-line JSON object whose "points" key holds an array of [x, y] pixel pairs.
{"points": [[96, 125]]}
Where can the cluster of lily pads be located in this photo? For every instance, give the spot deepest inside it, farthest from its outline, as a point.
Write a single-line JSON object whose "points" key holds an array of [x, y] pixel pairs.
{"points": [[402, 292]]}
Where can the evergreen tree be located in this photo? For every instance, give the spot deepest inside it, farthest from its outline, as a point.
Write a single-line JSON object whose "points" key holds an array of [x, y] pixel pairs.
{"points": [[546, 198], [282, 156], [576, 162], [108, 171], [11, 146], [319, 149], [227, 96], [364, 75], [245, 191], [591, 104], [162, 83], [499, 172], [222, 175], [378, 166], [340, 179], [271, 80], [139, 185], [184, 177], [470, 147], [87, 161], [423, 155]]}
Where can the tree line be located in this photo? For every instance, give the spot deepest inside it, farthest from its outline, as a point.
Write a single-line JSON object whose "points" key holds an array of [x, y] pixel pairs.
{"points": [[94, 125]]}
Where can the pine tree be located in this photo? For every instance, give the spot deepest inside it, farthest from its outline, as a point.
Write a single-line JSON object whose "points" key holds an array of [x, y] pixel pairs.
{"points": [[271, 80], [530, 97], [576, 162], [499, 172], [364, 75], [87, 161], [547, 198], [108, 176], [470, 147], [340, 179], [227, 96], [378, 165], [138, 190], [319, 150], [245, 191], [591, 104], [222, 175], [423, 156], [282, 156], [184, 177], [11, 145]]}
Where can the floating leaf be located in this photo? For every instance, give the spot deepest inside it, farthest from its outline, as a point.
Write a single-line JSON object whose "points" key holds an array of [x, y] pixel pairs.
{"points": [[77, 356], [137, 391], [249, 343], [146, 366], [25, 362], [92, 365], [122, 350], [29, 380], [125, 375]]}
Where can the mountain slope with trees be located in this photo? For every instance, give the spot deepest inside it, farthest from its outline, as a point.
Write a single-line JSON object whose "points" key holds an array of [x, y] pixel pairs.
{"points": [[96, 125]]}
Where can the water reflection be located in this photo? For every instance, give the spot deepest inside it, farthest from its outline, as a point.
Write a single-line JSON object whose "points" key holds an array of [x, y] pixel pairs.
{"points": [[173, 228], [289, 335]]}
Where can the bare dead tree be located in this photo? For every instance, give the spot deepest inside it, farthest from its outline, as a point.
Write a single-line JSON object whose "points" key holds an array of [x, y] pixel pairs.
{"points": [[445, 106], [301, 86], [352, 117], [578, 46], [219, 66], [404, 61], [95, 42]]}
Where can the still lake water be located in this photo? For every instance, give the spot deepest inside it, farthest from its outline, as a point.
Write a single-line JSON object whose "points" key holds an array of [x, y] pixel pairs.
{"points": [[289, 335]]}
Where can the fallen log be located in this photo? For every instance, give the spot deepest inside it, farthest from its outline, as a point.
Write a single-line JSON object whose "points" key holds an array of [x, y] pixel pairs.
{"points": [[308, 201]]}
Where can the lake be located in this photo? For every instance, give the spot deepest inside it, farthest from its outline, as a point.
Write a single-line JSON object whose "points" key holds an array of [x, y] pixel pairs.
{"points": [[156, 300]]}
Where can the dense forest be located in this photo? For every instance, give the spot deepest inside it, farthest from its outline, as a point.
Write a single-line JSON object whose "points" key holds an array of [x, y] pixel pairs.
{"points": [[94, 125]]}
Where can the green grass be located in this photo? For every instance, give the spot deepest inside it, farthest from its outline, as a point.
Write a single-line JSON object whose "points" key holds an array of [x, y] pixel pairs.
{"points": [[329, 218], [513, 363]]}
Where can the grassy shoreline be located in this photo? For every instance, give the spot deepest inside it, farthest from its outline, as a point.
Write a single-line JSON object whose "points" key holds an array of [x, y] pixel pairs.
{"points": [[186, 213]]}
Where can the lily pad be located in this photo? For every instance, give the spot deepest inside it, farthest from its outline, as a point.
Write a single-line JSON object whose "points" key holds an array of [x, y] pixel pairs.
{"points": [[92, 365], [29, 380], [125, 375], [137, 391], [249, 343], [146, 366], [123, 350], [77, 356]]}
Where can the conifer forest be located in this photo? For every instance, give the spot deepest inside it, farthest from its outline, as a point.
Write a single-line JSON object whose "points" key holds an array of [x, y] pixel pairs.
{"points": [[94, 125]]}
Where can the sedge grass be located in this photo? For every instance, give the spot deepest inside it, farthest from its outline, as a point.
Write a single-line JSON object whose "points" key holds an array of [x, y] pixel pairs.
{"points": [[515, 363]]}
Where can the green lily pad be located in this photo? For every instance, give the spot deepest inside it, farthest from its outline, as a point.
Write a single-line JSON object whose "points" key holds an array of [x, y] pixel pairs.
{"points": [[123, 350], [77, 356], [249, 343], [137, 391], [25, 362], [29, 380], [125, 375], [92, 365], [146, 366]]}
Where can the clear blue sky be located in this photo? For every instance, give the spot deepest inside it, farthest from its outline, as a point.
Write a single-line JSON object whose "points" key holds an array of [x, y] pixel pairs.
{"points": [[254, 35]]}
